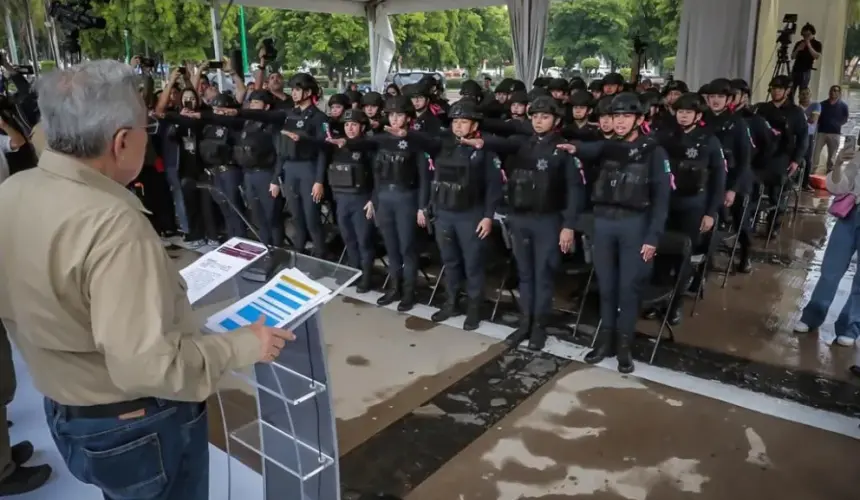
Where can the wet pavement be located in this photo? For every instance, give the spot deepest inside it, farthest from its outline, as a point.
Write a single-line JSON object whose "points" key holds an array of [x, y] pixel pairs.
{"points": [[592, 433]]}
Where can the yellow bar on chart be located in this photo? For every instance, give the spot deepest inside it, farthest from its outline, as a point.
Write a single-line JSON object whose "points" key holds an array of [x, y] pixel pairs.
{"points": [[299, 285]]}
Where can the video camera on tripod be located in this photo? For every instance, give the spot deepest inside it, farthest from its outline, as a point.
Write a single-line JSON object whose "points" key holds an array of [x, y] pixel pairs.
{"points": [[72, 16], [789, 28]]}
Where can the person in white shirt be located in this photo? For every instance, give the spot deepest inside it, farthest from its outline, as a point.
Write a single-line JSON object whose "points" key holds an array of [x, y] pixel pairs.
{"points": [[10, 141]]}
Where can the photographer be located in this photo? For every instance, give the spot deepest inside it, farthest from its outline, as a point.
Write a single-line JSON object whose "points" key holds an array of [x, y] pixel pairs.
{"points": [[18, 113], [805, 52], [10, 141]]}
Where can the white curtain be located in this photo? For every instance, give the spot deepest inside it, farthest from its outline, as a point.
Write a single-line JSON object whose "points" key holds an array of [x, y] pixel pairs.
{"points": [[382, 45], [529, 20], [716, 39]]}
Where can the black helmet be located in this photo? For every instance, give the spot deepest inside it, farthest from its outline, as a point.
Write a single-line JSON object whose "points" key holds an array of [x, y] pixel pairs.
{"points": [[650, 98], [544, 104], [466, 109], [224, 100], [262, 95], [626, 103], [472, 88], [399, 104], [581, 98], [537, 92], [541, 81], [558, 84], [780, 82], [690, 101], [613, 79], [304, 81], [704, 89], [595, 86], [517, 85], [741, 84], [341, 99], [577, 83], [519, 97], [604, 105], [416, 90], [720, 86], [372, 99], [504, 87], [354, 96], [354, 115], [679, 85]]}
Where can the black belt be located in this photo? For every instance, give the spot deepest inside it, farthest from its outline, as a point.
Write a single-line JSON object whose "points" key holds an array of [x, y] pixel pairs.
{"points": [[109, 410], [222, 168]]}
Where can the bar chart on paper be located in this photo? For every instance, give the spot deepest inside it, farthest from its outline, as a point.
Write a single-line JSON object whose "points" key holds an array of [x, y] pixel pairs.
{"points": [[285, 298]]}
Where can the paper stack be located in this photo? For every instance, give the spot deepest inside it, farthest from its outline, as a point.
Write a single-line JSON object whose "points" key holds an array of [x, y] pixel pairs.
{"points": [[286, 298]]}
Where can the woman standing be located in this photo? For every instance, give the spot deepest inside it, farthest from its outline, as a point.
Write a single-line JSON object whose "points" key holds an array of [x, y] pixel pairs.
{"points": [[844, 183]]}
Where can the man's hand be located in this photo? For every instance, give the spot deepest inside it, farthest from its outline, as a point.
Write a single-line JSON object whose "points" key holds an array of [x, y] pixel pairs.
{"points": [[707, 224], [225, 111], [272, 340], [565, 240], [134, 62], [190, 114], [729, 199], [422, 219], [337, 142], [368, 210], [485, 227], [274, 190], [475, 142], [397, 132], [648, 252], [570, 148], [317, 192]]}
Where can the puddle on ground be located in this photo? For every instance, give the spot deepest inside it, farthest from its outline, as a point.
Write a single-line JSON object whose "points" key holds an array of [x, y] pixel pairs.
{"points": [[356, 360], [417, 324]]}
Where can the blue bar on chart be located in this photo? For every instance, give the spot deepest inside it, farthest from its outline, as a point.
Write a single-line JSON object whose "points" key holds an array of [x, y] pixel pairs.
{"points": [[282, 300]]}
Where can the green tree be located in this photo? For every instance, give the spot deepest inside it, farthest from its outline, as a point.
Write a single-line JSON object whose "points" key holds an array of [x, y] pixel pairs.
{"points": [[178, 30], [669, 64], [657, 23], [589, 65], [338, 42], [494, 40], [601, 28], [464, 27], [423, 41]]}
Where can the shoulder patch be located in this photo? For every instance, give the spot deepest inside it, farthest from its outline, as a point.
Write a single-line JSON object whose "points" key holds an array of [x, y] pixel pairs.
{"points": [[497, 163], [667, 167]]}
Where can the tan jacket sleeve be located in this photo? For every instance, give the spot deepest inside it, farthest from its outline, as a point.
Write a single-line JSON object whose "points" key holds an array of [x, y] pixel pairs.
{"points": [[138, 323], [38, 139]]}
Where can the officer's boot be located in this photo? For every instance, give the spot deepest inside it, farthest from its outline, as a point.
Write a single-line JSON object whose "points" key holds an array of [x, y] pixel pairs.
{"points": [[604, 348], [744, 264], [449, 309], [392, 294], [365, 281], [537, 336], [473, 315], [407, 302], [675, 312], [625, 352], [521, 333]]}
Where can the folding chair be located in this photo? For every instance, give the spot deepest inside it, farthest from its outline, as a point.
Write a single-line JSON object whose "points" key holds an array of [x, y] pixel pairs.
{"points": [[585, 227], [744, 219], [672, 243], [701, 261], [509, 262]]}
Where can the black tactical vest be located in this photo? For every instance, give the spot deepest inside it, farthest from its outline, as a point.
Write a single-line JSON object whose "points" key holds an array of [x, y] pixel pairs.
{"points": [[350, 172], [688, 158], [725, 134], [454, 186], [256, 147], [299, 122], [624, 178], [215, 146], [537, 182], [396, 165]]}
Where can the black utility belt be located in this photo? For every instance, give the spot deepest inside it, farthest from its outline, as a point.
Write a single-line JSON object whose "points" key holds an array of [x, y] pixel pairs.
{"points": [[259, 169], [220, 169]]}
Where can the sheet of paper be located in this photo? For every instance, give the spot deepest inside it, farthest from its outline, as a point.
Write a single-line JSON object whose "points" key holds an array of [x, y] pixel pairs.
{"points": [[288, 296], [214, 268]]}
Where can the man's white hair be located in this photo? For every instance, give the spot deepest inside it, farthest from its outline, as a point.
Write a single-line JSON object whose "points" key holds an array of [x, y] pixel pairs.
{"points": [[84, 106]]}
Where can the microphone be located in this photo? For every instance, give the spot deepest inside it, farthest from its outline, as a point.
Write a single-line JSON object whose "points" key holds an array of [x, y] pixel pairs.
{"points": [[276, 259]]}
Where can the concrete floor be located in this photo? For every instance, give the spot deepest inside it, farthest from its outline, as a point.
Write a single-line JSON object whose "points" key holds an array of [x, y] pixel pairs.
{"points": [[592, 433]]}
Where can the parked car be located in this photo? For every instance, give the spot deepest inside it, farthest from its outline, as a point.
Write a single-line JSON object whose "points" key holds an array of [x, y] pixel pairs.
{"points": [[406, 77]]}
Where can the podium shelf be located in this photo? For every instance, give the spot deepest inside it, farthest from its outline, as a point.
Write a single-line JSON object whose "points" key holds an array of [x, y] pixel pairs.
{"points": [[294, 456], [283, 383]]}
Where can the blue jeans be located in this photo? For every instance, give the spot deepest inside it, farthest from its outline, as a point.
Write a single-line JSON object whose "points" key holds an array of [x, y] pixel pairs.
{"points": [[163, 455], [843, 244]]}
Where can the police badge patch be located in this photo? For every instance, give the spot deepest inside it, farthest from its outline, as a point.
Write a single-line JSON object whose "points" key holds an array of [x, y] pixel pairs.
{"points": [[542, 164], [692, 153], [300, 123], [219, 132], [356, 156], [402, 145]]}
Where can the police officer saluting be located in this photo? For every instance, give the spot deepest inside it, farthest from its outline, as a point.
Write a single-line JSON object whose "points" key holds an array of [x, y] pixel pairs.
{"points": [[699, 172], [350, 174], [631, 202], [545, 195], [371, 104], [401, 179], [425, 120], [465, 191]]}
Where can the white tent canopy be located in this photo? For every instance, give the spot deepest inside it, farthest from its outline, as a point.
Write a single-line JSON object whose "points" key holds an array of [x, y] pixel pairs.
{"points": [[528, 21]]}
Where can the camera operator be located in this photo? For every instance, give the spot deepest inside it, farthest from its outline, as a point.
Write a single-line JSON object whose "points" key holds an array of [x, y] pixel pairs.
{"points": [[805, 52], [18, 112]]}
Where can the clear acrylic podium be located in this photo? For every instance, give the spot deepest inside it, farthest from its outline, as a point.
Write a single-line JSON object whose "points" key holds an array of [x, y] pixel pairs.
{"points": [[290, 436]]}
